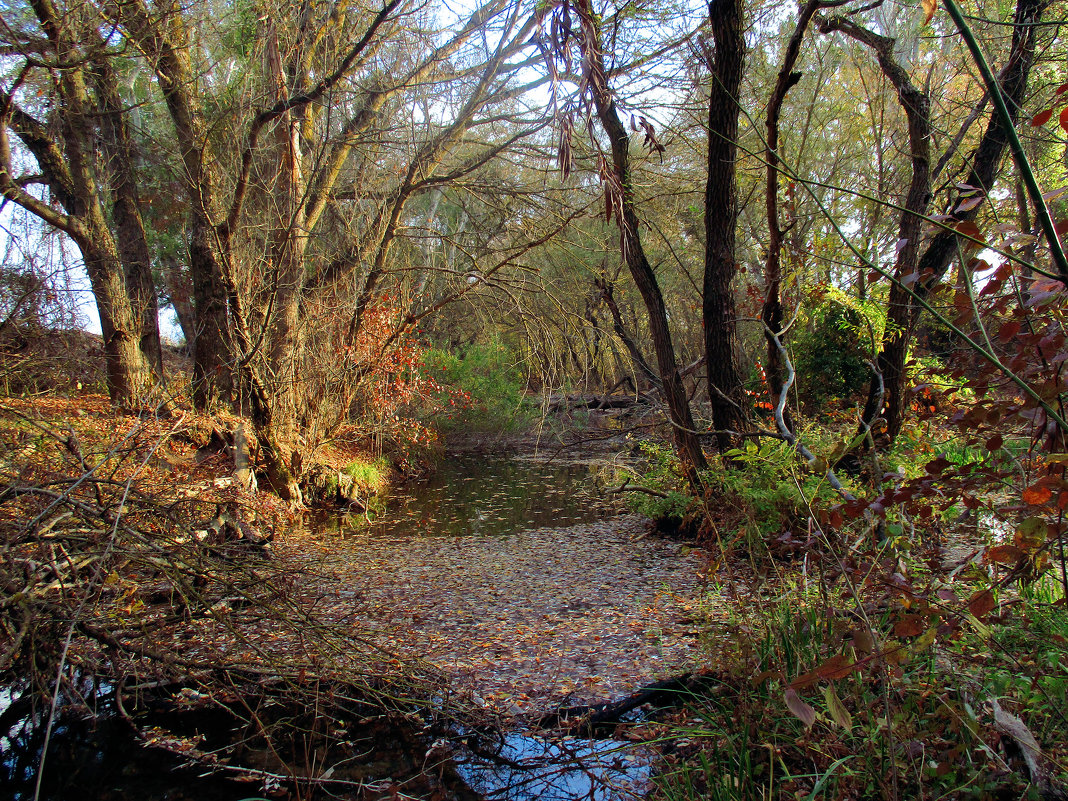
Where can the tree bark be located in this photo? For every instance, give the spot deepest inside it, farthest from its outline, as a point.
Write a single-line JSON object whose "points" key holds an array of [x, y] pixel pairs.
{"points": [[621, 194], [771, 314], [164, 42], [721, 218], [134, 253], [67, 165], [888, 401]]}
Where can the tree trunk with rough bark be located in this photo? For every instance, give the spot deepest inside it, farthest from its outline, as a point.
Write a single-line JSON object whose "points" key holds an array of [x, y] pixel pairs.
{"points": [[931, 267], [687, 442], [721, 217], [65, 154]]}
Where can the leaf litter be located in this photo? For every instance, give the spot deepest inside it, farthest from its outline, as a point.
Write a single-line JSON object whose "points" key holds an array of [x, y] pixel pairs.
{"points": [[526, 622]]}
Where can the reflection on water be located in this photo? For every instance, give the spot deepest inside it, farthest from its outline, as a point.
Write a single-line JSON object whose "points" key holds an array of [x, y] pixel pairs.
{"points": [[485, 496], [94, 752], [529, 768]]}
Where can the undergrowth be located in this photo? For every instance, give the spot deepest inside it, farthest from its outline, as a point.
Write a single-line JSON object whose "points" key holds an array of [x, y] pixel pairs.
{"points": [[818, 700], [860, 661]]}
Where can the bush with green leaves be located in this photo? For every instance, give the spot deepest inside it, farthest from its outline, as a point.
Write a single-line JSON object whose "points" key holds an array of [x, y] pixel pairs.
{"points": [[767, 489], [484, 386], [831, 349], [667, 498]]}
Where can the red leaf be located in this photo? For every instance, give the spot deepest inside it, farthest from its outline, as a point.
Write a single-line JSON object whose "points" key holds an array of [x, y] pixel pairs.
{"points": [[1008, 331], [1060, 90], [837, 667], [1004, 554], [1063, 119], [981, 603], [968, 204], [995, 443], [909, 626], [969, 229], [1036, 494], [1042, 117]]}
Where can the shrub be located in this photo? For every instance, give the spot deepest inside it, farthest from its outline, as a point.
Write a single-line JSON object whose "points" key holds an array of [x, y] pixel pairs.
{"points": [[482, 388], [830, 353]]}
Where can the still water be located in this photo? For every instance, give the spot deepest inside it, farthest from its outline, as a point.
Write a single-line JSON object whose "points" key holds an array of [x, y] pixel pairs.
{"points": [[489, 496]]}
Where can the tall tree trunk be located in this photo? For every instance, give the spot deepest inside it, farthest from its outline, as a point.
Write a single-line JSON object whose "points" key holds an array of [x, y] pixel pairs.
{"points": [[132, 243], [721, 218], [771, 314], [886, 389], [687, 441], [67, 164], [165, 42]]}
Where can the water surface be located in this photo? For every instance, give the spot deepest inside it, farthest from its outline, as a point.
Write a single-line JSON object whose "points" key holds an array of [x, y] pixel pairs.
{"points": [[490, 496]]}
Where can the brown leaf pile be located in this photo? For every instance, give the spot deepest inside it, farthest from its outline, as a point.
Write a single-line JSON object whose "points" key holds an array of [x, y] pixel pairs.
{"points": [[552, 616]]}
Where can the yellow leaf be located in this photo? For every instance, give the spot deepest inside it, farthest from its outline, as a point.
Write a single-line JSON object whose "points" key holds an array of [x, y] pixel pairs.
{"points": [[839, 714], [929, 8]]}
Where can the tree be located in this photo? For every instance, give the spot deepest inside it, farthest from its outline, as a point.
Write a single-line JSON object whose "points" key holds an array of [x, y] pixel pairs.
{"points": [[72, 64], [918, 274], [582, 32], [726, 64]]}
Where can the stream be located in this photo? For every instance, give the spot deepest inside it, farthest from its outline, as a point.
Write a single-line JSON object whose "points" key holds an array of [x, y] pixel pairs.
{"points": [[505, 573], [485, 496]]}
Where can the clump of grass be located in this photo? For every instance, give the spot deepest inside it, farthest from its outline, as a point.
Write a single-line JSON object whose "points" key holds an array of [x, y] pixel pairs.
{"points": [[370, 475]]}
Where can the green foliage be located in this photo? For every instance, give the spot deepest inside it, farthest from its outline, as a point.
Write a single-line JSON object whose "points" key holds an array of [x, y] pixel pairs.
{"points": [[1029, 659], [662, 474], [782, 656], [482, 387], [769, 487], [831, 352], [371, 476]]}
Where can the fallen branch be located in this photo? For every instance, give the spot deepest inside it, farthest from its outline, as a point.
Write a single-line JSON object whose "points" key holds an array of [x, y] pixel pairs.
{"points": [[668, 692]]}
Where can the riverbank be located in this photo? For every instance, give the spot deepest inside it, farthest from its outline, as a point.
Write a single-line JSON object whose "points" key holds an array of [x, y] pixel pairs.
{"points": [[172, 583]]}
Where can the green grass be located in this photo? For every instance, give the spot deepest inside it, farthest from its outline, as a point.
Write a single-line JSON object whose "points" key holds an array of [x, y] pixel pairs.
{"points": [[370, 475], [924, 719]]}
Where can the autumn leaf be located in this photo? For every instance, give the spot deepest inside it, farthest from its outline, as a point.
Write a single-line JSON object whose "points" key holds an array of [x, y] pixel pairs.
{"points": [[970, 229], [1063, 119], [799, 708], [1003, 554], [1042, 117], [1036, 494], [981, 603], [909, 626], [929, 8], [1007, 332], [1031, 534], [863, 641], [837, 667], [968, 204]]}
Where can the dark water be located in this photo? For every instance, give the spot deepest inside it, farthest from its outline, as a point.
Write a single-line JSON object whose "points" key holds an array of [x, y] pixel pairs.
{"points": [[489, 496], [93, 753]]}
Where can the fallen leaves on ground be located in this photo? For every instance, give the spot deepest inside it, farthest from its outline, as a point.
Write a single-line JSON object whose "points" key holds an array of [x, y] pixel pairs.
{"points": [[545, 617]]}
